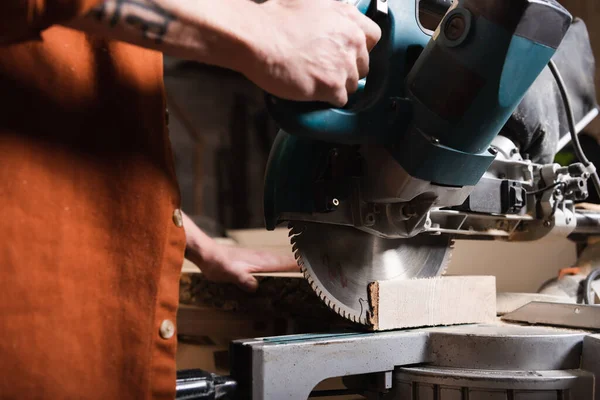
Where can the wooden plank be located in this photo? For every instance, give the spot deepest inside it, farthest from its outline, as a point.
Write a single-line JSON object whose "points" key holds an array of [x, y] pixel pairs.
{"points": [[410, 303], [260, 238], [279, 296]]}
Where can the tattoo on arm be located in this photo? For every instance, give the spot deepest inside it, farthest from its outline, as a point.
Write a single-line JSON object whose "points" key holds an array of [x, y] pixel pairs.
{"points": [[147, 16]]}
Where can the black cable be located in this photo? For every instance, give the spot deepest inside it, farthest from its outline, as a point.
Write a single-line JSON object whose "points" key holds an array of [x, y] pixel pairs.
{"points": [[546, 188], [571, 120], [588, 292]]}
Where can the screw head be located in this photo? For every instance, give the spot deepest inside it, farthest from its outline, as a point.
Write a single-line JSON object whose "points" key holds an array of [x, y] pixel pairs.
{"points": [[332, 204], [455, 27]]}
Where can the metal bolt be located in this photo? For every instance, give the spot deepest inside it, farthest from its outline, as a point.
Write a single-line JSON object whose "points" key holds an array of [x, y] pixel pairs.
{"points": [[577, 310], [332, 203], [547, 223], [370, 220], [455, 27], [493, 150]]}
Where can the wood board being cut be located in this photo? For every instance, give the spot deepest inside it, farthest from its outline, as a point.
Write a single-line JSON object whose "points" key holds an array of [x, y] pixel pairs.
{"points": [[450, 300], [397, 304]]}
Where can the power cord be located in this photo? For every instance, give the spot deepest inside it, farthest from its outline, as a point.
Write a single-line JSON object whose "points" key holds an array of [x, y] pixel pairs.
{"points": [[571, 120], [546, 188]]}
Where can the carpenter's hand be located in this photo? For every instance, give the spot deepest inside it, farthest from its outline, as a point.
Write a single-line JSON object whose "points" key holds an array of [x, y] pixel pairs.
{"points": [[222, 263], [236, 265], [312, 50]]}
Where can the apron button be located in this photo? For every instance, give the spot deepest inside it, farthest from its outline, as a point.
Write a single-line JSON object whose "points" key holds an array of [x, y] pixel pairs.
{"points": [[178, 218], [167, 329]]}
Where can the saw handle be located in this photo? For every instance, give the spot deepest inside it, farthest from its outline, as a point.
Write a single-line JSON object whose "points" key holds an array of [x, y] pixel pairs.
{"points": [[319, 120]]}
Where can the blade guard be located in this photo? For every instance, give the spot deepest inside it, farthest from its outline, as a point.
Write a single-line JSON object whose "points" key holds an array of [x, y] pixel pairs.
{"points": [[310, 130]]}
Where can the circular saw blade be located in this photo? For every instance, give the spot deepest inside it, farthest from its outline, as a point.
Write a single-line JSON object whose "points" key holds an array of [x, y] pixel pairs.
{"points": [[340, 262]]}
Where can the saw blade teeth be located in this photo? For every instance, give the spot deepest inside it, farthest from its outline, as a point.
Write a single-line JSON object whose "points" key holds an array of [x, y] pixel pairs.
{"points": [[448, 258], [295, 230], [323, 297], [356, 315], [328, 302]]}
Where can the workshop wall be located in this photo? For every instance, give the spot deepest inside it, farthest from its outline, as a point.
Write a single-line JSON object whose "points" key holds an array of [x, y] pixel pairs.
{"points": [[518, 267], [221, 136]]}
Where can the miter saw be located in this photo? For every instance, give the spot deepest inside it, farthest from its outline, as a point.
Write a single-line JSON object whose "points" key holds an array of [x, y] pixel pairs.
{"points": [[451, 136], [430, 148]]}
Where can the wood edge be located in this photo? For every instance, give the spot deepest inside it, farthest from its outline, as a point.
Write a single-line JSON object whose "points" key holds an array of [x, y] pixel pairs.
{"points": [[289, 275], [373, 316]]}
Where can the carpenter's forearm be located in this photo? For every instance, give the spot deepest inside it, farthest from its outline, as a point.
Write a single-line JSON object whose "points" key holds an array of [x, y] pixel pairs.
{"points": [[217, 32]]}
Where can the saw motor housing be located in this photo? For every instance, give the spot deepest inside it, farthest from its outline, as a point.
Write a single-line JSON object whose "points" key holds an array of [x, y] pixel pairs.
{"points": [[419, 134]]}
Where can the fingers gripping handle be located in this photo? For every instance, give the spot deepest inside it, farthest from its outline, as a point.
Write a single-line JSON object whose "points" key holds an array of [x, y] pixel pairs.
{"points": [[319, 120]]}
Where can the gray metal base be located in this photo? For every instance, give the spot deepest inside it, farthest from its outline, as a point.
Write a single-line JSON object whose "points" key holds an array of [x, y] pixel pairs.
{"points": [[468, 362]]}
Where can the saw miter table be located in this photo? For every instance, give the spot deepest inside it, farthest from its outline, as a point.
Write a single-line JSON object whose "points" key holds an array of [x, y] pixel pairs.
{"points": [[452, 135], [473, 362]]}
